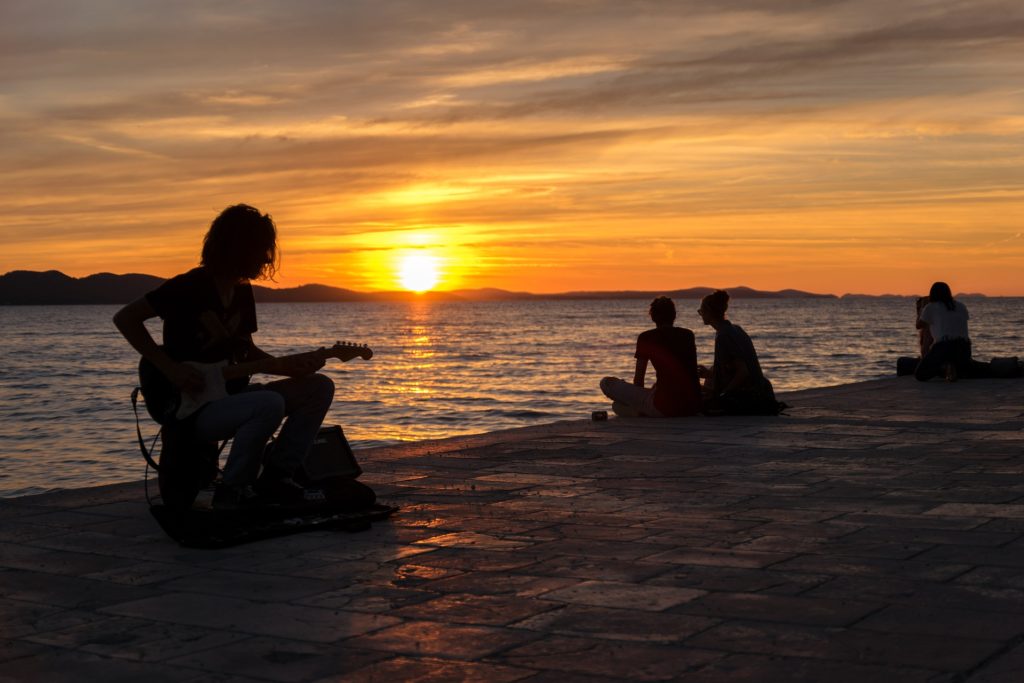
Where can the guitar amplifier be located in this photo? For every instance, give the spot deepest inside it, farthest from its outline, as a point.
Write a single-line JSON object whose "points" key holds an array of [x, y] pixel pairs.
{"points": [[331, 456]]}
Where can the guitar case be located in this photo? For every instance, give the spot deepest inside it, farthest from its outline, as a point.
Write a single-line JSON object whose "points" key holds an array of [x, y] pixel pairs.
{"points": [[345, 505], [187, 466], [211, 529]]}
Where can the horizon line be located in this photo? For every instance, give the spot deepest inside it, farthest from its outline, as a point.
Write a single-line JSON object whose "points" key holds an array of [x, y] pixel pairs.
{"points": [[644, 291]]}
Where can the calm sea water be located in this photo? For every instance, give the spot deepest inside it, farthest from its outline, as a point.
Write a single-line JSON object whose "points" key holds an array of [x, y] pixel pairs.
{"points": [[438, 370]]}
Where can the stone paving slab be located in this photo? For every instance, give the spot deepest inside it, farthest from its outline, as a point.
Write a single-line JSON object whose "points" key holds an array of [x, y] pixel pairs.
{"points": [[875, 533]]}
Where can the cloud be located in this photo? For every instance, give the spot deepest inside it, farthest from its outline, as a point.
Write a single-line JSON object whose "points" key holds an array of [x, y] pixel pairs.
{"points": [[559, 122]]}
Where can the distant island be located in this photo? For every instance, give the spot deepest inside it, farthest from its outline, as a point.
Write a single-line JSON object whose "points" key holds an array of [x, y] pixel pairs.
{"points": [[25, 287]]}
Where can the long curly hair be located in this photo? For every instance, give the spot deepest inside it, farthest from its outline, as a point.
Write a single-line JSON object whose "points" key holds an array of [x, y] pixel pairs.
{"points": [[242, 243]]}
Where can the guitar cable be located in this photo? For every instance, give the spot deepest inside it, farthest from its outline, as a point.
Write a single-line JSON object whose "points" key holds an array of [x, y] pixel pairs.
{"points": [[147, 453]]}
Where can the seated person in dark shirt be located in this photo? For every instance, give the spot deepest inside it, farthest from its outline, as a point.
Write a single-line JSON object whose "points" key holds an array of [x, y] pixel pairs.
{"points": [[734, 385], [209, 316], [673, 353]]}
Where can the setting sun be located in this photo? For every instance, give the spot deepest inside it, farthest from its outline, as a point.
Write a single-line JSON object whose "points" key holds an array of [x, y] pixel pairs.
{"points": [[418, 272]]}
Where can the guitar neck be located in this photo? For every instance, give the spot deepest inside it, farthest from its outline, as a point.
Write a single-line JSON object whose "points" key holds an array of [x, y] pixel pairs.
{"points": [[270, 364], [343, 351]]}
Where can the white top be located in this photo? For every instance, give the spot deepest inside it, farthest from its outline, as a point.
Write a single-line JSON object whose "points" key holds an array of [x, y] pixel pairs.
{"points": [[944, 323]]}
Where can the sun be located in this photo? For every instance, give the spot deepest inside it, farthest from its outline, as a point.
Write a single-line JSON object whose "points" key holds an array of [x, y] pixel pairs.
{"points": [[418, 272]]}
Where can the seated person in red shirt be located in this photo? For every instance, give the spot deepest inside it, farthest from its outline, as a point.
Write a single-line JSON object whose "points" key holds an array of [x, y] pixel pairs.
{"points": [[673, 353]]}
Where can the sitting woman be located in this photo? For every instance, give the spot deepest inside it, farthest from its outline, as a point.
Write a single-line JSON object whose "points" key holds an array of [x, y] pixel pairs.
{"points": [[946, 320], [673, 353], [734, 385]]}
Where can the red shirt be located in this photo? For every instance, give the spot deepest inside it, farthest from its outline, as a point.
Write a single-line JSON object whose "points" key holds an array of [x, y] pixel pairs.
{"points": [[673, 353]]}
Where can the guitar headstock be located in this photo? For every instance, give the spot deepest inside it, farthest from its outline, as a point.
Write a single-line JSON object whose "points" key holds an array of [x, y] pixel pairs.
{"points": [[345, 351]]}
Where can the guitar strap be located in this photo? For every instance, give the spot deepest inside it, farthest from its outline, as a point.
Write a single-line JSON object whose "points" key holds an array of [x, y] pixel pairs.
{"points": [[146, 453]]}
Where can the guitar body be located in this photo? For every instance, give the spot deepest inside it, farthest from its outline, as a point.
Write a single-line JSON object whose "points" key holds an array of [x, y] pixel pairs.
{"points": [[162, 398], [214, 388]]}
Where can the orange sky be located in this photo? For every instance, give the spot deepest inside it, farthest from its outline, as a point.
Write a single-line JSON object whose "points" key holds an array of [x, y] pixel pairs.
{"points": [[860, 146]]}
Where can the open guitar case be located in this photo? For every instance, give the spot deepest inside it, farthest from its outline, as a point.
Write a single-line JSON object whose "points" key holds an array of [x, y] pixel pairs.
{"points": [[187, 467]]}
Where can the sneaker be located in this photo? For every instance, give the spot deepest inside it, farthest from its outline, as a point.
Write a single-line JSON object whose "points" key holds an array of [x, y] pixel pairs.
{"points": [[283, 491], [228, 497]]}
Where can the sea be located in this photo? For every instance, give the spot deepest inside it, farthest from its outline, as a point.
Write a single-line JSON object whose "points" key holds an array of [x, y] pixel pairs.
{"points": [[439, 369]]}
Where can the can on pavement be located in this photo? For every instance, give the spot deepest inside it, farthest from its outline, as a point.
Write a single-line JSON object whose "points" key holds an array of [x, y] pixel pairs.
{"points": [[599, 415]]}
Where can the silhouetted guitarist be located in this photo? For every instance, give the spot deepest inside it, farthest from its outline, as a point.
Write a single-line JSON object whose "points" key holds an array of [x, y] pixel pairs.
{"points": [[209, 316]]}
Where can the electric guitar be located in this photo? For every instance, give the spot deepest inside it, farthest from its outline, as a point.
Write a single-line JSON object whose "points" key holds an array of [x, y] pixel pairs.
{"points": [[166, 403]]}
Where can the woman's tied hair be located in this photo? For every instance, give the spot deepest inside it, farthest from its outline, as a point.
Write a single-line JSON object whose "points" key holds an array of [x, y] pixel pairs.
{"points": [[717, 302]]}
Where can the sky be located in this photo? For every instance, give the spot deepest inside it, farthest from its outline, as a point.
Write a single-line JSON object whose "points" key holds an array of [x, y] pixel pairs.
{"points": [[864, 146]]}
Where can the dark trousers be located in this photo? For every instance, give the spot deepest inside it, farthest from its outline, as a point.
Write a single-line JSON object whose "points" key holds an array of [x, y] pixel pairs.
{"points": [[758, 399], [955, 351]]}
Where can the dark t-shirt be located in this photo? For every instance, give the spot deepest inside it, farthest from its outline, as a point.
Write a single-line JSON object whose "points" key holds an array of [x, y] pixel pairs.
{"points": [[197, 325], [673, 353], [732, 344]]}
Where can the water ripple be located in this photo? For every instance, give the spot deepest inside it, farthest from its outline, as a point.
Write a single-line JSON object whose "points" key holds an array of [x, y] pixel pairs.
{"points": [[438, 370]]}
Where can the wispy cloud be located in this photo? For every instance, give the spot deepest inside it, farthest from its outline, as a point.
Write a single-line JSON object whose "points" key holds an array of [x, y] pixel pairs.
{"points": [[543, 131]]}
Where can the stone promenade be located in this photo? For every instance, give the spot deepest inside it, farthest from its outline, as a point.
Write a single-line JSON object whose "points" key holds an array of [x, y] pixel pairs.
{"points": [[876, 533]]}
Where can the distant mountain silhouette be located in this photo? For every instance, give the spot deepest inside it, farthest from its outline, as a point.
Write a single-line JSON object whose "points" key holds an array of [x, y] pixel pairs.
{"points": [[306, 294], [24, 287], [959, 295], [54, 287], [691, 293]]}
